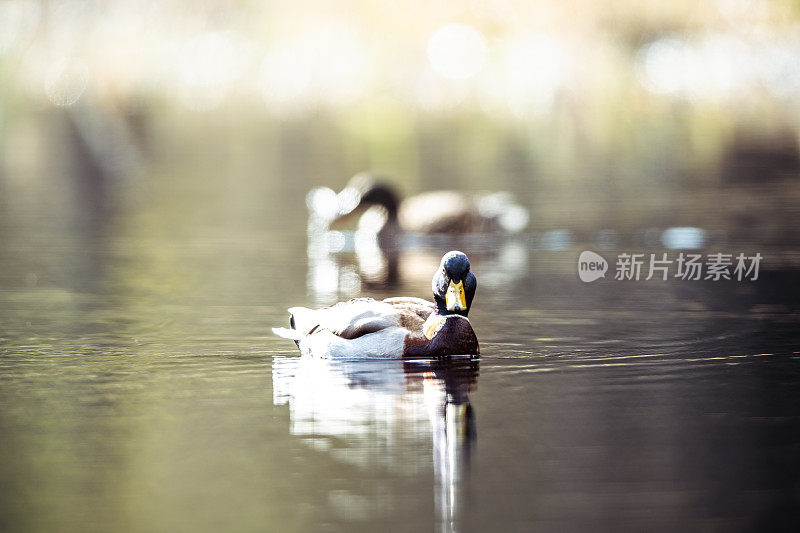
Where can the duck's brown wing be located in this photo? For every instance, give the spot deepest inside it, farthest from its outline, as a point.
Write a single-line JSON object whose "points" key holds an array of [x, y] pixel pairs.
{"points": [[348, 320], [360, 316], [418, 306], [411, 312]]}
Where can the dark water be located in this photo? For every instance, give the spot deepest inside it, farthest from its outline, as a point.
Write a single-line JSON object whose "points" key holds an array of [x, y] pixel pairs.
{"points": [[141, 389]]}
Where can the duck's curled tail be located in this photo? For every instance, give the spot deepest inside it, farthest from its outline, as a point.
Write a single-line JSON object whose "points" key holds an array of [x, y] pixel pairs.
{"points": [[289, 333]]}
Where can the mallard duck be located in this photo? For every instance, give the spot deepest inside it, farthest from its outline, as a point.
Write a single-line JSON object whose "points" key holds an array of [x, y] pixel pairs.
{"points": [[431, 212], [394, 327]]}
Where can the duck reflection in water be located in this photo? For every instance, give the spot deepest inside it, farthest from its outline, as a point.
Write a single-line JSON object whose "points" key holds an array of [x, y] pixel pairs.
{"points": [[376, 408], [394, 238]]}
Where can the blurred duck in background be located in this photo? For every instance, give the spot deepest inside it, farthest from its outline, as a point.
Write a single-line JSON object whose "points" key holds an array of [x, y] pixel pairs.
{"points": [[448, 212]]}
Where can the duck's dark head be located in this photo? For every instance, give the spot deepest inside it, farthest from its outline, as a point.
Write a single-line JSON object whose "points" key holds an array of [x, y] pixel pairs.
{"points": [[454, 284]]}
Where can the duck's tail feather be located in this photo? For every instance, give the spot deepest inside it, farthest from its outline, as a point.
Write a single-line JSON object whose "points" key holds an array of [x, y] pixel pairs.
{"points": [[286, 333], [291, 332]]}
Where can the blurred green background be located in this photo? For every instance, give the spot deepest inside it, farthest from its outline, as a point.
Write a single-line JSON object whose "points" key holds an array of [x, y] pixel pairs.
{"points": [[595, 114]]}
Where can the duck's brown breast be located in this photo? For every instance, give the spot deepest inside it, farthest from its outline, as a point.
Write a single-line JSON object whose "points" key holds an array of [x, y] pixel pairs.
{"points": [[444, 335]]}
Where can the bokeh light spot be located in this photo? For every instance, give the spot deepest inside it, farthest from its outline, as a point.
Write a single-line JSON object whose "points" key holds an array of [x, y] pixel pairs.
{"points": [[665, 66], [210, 64], [66, 81], [457, 51]]}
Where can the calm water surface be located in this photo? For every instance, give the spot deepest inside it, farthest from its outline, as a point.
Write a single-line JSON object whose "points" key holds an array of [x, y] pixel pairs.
{"points": [[141, 389]]}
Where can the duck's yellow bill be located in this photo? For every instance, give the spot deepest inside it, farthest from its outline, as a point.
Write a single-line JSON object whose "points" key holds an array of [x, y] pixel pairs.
{"points": [[455, 299]]}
